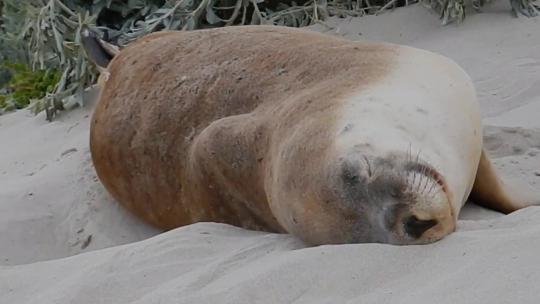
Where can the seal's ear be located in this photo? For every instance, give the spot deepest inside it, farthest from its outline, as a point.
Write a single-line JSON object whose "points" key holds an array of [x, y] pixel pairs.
{"points": [[99, 51]]}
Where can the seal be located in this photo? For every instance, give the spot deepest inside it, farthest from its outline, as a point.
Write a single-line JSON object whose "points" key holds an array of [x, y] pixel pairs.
{"points": [[288, 130]]}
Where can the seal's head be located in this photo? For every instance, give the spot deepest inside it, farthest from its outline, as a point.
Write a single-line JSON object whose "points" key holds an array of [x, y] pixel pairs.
{"points": [[360, 198]]}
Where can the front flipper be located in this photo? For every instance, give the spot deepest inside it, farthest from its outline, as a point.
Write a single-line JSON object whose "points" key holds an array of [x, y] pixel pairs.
{"points": [[503, 195], [229, 158]]}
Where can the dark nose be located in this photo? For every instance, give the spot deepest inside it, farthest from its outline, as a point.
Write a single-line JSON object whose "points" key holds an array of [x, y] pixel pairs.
{"points": [[416, 227]]}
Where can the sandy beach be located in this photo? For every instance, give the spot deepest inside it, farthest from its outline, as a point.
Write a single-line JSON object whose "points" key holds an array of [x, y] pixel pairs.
{"points": [[63, 239]]}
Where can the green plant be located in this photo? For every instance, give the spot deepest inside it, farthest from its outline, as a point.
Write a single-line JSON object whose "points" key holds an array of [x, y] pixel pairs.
{"points": [[3, 101], [12, 20], [27, 85]]}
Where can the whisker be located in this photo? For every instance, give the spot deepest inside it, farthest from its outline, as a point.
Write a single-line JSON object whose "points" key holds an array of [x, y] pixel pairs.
{"points": [[433, 183], [428, 180], [370, 173]]}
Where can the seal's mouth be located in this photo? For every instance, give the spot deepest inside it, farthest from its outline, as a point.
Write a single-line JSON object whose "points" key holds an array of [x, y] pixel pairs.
{"points": [[430, 172], [433, 175]]}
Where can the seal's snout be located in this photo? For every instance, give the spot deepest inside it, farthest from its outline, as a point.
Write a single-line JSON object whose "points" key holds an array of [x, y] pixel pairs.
{"points": [[416, 227], [419, 224]]}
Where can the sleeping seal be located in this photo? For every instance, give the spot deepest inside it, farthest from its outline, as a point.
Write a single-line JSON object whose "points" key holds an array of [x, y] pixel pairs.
{"points": [[288, 130]]}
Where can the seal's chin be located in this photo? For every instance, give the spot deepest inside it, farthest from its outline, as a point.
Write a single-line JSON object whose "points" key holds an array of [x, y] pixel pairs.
{"points": [[428, 216]]}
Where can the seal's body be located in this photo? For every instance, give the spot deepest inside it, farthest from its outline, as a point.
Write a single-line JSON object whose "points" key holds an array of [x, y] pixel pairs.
{"points": [[288, 130]]}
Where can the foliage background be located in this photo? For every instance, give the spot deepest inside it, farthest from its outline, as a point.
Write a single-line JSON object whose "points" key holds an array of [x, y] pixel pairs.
{"points": [[43, 62]]}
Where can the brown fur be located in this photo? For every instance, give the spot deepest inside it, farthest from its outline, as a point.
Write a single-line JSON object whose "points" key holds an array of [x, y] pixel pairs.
{"points": [[226, 125], [495, 193]]}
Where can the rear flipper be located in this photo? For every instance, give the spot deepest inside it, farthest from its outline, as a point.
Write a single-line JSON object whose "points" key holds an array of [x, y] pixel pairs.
{"points": [[97, 50], [501, 195]]}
